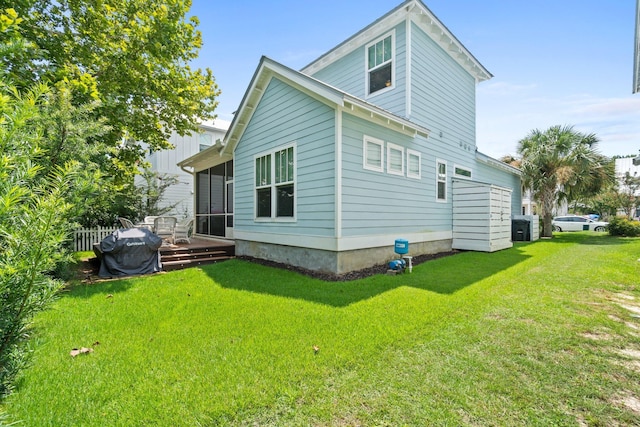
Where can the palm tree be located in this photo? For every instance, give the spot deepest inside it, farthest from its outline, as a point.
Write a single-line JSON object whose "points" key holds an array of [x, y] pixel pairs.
{"points": [[561, 164]]}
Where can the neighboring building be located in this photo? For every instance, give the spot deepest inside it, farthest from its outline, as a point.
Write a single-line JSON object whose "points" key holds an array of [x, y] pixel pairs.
{"points": [[165, 162], [374, 141], [623, 166], [529, 205]]}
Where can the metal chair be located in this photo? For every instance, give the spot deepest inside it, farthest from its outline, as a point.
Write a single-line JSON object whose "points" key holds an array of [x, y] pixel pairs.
{"points": [[164, 226], [183, 231], [126, 223]]}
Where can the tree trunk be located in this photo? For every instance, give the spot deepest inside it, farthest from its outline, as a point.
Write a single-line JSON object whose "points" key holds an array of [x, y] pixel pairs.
{"points": [[547, 202], [547, 226]]}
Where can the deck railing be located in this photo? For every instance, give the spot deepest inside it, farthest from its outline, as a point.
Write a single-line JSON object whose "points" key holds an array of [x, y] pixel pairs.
{"points": [[84, 238]]}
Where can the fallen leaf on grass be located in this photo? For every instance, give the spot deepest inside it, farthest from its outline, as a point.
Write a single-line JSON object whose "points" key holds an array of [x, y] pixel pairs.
{"points": [[83, 350]]}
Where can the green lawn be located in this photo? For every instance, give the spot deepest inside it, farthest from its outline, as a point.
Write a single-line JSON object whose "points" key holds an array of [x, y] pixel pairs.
{"points": [[541, 334]]}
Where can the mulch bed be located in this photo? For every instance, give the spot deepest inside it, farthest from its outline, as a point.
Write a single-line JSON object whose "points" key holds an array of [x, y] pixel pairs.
{"points": [[88, 269], [353, 275]]}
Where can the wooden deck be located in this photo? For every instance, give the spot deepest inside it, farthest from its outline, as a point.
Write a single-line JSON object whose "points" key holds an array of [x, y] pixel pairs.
{"points": [[200, 251]]}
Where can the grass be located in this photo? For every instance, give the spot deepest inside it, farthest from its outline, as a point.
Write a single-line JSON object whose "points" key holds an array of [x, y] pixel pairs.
{"points": [[540, 334]]}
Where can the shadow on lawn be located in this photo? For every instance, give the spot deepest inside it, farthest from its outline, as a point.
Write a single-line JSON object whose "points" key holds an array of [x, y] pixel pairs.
{"points": [[88, 283], [443, 275]]}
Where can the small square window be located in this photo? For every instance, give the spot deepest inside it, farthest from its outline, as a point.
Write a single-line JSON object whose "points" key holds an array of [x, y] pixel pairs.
{"points": [[395, 159], [373, 154], [413, 164]]}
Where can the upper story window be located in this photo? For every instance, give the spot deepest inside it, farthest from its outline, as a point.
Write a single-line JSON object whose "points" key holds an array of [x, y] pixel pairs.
{"points": [[380, 64], [205, 140]]}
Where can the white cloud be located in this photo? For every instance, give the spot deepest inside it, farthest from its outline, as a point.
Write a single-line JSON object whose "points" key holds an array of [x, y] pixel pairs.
{"points": [[503, 121]]}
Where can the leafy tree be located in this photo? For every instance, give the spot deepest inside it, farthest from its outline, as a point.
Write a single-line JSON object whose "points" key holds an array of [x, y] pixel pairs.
{"points": [[561, 164], [132, 55], [35, 195], [33, 225], [153, 189], [627, 195]]}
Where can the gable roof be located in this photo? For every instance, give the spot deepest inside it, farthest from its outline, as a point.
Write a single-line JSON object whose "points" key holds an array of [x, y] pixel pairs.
{"points": [[425, 19], [268, 68]]}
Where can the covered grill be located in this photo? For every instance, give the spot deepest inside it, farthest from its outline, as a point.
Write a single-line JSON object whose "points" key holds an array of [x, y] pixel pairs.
{"points": [[130, 251]]}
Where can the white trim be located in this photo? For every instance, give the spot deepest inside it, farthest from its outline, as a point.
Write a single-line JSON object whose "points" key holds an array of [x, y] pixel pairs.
{"points": [[408, 52], [390, 170], [446, 179], [456, 175], [379, 142], [338, 168], [391, 34], [339, 244], [419, 156]]}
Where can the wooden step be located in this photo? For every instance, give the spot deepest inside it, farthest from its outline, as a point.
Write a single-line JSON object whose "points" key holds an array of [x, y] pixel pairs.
{"points": [[186, 263], [181, 256], [197, 252]]}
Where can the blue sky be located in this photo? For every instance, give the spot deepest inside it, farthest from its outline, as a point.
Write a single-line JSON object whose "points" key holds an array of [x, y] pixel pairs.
{"points": [[555, 62]]}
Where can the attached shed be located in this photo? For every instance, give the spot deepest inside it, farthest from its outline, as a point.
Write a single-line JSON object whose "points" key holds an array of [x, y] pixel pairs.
{"points": [[481, 216]]}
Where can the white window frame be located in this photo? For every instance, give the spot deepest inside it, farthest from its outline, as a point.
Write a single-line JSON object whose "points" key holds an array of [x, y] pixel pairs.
{"points": [[390, 168], [441, 179], [365, 149], [392, 61], [457, 175], [418, 155], [273, 185]]}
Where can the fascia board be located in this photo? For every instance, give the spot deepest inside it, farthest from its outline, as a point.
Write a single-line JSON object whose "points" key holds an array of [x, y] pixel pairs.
{"points": [[497, 163], [265, 72]]}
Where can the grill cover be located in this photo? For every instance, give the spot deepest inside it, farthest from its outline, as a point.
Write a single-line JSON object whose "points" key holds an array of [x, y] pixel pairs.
{"points": [[130, 251]]}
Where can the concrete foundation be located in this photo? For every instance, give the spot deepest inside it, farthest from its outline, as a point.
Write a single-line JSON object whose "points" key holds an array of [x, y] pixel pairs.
{"points": [[334, 262]]}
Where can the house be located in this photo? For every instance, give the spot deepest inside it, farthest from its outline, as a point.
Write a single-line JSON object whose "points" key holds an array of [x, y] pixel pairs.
{"points": [[623, 166], [324, 168], [165, 163]]}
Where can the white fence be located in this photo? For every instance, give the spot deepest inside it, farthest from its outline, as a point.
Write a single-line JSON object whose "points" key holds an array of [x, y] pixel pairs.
{"points": [[84, 238]]}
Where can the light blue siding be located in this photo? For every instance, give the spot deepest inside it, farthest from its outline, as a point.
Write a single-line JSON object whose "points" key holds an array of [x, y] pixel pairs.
{"points": [[442, 92], [379, 202], [489, 174], [286, 115], [349, 75]]}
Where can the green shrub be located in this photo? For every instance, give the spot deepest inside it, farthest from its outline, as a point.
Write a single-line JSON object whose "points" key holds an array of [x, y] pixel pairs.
{"points": [[622, 226]]}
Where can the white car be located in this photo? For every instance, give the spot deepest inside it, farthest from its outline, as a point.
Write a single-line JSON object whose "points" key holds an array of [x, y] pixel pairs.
{"points": [[577, 223]]}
